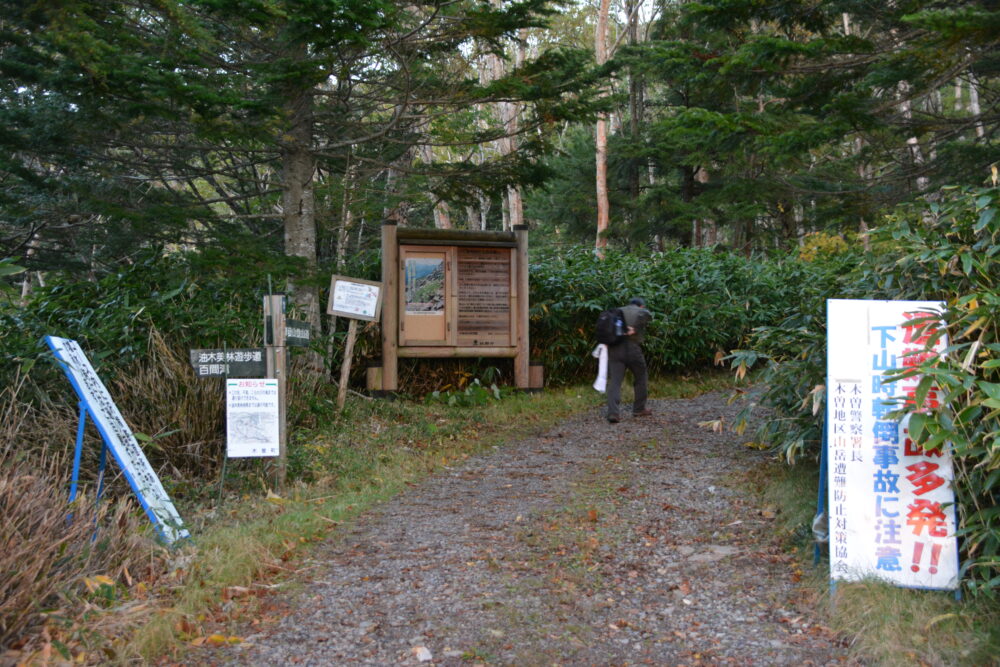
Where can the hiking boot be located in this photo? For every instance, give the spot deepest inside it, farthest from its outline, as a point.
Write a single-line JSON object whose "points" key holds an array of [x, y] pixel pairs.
{"points": [[643, 413], [613, 420]]}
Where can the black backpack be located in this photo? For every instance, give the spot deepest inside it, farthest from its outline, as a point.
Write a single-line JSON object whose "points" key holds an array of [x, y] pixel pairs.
{"points": [[610, 327]]}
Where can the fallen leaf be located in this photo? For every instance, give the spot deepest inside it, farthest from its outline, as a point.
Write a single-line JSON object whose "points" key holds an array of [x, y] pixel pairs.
{"points": [[592, 515]]}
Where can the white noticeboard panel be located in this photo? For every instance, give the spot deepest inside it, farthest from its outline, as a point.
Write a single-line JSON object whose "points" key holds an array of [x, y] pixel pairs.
{"points": [[119, 438], [354, 298], [252, 426], [891, 504]]}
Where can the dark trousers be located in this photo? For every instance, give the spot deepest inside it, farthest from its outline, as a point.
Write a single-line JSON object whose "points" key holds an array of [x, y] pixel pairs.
{"points": [[621, 356]]}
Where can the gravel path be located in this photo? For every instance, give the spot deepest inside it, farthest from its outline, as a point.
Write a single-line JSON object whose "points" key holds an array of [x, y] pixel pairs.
{"points": [[591, 544]]}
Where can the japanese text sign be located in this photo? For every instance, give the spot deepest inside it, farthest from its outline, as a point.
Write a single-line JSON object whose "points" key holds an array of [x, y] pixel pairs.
{"points": [[119, 438], [891, 504], [297, 333], [252, 426], [240, 363], [354, 298]]}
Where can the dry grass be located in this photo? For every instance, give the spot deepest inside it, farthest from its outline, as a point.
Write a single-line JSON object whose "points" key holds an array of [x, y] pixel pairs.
{"points": [[58, 562], [886, 625], [897, 626], [185, 415]]}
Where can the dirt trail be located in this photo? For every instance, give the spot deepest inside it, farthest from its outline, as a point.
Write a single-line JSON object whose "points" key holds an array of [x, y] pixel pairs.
{"points": [[591, 544]]}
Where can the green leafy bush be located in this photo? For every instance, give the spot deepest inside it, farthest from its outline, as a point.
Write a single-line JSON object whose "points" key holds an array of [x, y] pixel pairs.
{"points": [[945, 249], [703, 302], [951, 251], [474, 395]]}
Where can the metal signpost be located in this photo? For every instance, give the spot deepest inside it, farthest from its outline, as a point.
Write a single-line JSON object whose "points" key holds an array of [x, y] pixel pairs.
{"points": [[118, 438]]}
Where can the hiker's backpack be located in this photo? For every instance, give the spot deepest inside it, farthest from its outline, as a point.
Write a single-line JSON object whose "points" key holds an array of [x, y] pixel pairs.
{"points": [[610, 327]]}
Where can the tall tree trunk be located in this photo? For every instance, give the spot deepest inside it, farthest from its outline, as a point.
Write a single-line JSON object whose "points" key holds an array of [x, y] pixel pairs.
{"points": [[601, 135], [974, 108], [442, 217], [510, 111], [298, 166], [635, 103], [913, 143]]}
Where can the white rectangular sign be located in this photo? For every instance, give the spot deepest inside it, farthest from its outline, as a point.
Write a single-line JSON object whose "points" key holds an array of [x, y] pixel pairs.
{"points": [[354, 298], [119, 438], [891, 504], [252, 427]]}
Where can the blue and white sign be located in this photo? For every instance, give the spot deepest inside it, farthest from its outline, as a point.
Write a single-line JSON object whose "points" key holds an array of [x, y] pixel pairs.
{"points": [[891, 503], [119, 438]]}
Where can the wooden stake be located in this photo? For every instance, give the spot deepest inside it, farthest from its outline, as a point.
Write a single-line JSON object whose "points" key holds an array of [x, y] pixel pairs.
{"points": [[390, 307], [345, 366], [277, 367]]}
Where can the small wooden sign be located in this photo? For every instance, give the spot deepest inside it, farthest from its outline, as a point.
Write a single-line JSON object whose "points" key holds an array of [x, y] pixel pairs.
{"points": [[355, 298], [297, 333], [234, 363]]}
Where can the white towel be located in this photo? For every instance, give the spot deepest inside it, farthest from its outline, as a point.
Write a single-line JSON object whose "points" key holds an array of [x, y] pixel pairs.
{"points": [[601, 354]]}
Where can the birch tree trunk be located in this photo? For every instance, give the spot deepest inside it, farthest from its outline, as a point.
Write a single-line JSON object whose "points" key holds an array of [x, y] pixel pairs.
{"points": [[601, 135], [974, 108], [913, 143], [635, 101], [442, 216], [346, 218]]}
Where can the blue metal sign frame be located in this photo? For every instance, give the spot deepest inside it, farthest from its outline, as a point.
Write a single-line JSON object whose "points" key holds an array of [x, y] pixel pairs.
{"points": [[118, 438]]}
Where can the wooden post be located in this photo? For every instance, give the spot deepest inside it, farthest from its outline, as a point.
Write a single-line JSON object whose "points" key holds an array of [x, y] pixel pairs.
{"points": [[345, 366], [277, 368], [521, 375], [390, 307]]}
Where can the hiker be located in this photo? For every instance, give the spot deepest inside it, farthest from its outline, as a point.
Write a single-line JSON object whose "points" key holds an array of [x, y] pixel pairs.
{"points": [[628, 354]]}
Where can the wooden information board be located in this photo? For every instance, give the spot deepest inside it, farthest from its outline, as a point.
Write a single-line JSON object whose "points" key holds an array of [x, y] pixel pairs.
{"points": [[484, 315], [453, 293]]}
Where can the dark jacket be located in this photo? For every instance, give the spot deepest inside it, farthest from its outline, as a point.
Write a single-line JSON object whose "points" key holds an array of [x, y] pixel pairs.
{"points": [[637, 318]]}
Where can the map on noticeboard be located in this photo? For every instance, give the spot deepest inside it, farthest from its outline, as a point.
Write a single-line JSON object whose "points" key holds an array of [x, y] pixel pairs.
{"points": [[119, 438], [891, 504], [355, 298], [252, 418]]}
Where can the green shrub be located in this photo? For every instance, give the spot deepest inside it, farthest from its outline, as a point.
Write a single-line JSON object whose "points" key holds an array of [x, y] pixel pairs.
{"points": [[703, 302], [945, 249], [950, 250]]}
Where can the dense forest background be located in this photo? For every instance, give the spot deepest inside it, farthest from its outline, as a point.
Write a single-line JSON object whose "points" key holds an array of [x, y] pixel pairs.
{"points": [[166, 162], [261, 129]]}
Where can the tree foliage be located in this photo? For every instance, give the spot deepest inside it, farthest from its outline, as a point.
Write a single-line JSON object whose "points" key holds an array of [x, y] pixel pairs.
{"points": [[948, 250], [770, 120]]}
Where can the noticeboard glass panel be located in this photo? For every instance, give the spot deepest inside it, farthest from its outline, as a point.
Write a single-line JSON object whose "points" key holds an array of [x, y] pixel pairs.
{"points": [[424, 296]]}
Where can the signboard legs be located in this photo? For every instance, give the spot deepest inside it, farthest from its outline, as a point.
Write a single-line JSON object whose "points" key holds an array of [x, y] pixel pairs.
{"points": [[345, 366], [78, 453]]}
